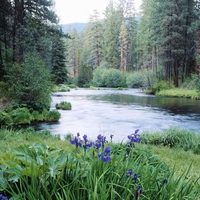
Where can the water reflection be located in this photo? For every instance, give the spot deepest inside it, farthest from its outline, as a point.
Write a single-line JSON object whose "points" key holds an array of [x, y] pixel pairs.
{"points": [[121, 112]]}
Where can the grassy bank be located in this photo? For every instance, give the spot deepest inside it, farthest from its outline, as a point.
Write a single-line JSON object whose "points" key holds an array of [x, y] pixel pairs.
{"points": [[37, 165], [179, 92]]}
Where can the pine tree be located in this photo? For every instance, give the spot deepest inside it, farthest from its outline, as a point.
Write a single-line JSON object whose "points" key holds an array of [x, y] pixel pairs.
{"points": [[93, 41], [111, 25], [59, 69]]}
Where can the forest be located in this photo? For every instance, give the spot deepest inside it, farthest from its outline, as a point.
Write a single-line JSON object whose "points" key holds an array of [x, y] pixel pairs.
{"points": [[161, 43]]}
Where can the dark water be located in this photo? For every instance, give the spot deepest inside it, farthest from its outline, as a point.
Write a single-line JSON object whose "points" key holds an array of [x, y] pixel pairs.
{"points": [[120, 112]]}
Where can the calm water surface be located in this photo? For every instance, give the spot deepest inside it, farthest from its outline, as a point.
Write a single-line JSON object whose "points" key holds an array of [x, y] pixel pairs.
{"points": [[120, 112]]}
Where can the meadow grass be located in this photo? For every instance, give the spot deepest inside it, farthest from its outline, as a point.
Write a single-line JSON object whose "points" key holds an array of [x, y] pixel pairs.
{"points": [[37, 165], [179, 92]]}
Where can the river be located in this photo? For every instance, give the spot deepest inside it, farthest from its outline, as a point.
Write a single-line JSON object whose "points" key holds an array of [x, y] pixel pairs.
{"points": [[120, 113]]}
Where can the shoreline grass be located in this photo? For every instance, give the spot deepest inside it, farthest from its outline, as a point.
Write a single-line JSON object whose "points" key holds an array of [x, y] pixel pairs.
{"points": [[179, 92]]}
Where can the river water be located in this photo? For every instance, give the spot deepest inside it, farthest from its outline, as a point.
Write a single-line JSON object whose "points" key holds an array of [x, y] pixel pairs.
{"points": [[120, 113]]}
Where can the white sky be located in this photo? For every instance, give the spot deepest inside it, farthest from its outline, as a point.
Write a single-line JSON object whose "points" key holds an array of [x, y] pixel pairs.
{"points": [[70, 11]]}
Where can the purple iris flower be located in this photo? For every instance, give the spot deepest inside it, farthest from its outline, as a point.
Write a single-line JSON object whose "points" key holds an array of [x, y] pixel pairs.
{"points": [[105, 156], [135, 176], [165, 181], [3, 197], [76, 141], [134, 137], [101, 139], [107, 150], [97, 145], [85, 138], [129, 173]]}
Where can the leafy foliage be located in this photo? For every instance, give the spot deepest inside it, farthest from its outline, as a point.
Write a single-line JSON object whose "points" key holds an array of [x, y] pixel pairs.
{"points": [[81, 174], [64, 105], [31, 83], [103, 77], [85, 75], [52, 116]]}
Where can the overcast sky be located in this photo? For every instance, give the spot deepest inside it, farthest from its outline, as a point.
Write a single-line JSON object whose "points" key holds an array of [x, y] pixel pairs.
{"points": [[70, 11]]}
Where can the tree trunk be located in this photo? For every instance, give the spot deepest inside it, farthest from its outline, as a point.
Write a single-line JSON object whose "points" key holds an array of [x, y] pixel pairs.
{"points": [[198, 54]]}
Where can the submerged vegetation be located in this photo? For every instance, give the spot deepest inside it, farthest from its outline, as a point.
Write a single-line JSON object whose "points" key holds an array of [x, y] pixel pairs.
{"points": [[37, 165]]}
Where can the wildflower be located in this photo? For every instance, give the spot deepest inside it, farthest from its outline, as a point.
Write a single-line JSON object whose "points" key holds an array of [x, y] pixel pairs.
{"points": [[87, 145], [107, 151], [97, 145], [138, 192], [129, 173], [105, 156], [85, 138], [76, 141], [135, 176], [134, 137], [101, 139], [165, 181], [3, 197]]}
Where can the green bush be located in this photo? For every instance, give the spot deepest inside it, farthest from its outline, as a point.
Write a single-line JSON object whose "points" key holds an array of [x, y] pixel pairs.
{"points": [[4, 89], [196, 79], [21, 116], [38, 116], [52, 116], [103, 77], [85, 75], [134, 79], [61, 88], [161, 85], [5, 119], [31, 83], [64, 105]]}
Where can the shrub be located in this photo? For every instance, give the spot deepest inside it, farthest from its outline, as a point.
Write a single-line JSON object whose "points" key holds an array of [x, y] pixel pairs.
{"points": [[64, 105], [103, 77], [161, 85], [21, 116], [134, 79], [85, 75], [31, 82], [4, 89], [61, 88], [5, 119], [52, 116], [38, 116]]}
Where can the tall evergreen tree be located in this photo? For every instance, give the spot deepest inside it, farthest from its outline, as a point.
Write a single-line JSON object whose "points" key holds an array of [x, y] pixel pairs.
{"points": [[123, 47], [169, 25], [93, 41], [112, 24], [73, 53], [59, 69]]}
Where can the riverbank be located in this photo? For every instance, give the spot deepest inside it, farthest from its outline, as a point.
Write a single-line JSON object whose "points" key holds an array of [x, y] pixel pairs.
{"points": [[179, 92], [61, 169]]}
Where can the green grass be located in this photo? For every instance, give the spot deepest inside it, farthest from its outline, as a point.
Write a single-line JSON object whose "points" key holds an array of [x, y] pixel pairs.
{"points": [[179, 92], [37, 165]]}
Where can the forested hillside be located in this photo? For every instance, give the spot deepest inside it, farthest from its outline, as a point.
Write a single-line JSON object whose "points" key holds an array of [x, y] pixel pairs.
{"points": [[164, 42], [116, 51]]}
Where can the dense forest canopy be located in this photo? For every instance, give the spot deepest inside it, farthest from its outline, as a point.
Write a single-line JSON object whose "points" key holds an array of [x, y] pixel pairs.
{"points": [[163, 40]]}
